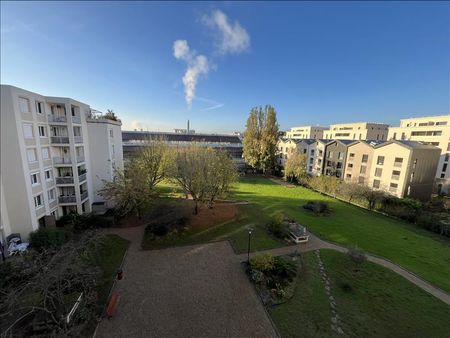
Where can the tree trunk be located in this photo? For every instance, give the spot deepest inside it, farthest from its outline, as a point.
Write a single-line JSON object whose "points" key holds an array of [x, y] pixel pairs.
{"points": [[196, 208]]}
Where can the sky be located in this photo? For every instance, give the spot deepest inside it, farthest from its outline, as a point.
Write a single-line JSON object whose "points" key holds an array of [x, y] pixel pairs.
{"points": [[158, 64]]}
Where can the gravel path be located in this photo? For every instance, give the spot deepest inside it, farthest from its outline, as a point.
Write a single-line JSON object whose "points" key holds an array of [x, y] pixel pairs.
{"points": [[191, 291]]}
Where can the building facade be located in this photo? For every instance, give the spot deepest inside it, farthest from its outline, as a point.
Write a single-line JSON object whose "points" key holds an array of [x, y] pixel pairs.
{"points": [[306, 132], [336, 155], [434, 130], [46, 159], [357, 131]]}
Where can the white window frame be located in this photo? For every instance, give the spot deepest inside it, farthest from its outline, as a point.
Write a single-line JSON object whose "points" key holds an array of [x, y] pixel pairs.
{"points": [[38, 179], [51, 174], [37, 103], [48, 153], [25, 134], [24, 99], [51, 199], [35, 155], [41, 198], [44, 128]]}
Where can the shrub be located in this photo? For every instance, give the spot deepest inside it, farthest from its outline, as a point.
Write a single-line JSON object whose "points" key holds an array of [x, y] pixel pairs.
{"points": [[263, 262], [160, 229], [346, 286], [318, 207], [257, 276], [284, 267], [278, 229], [357, 255], [433, 222], [47, 238]]}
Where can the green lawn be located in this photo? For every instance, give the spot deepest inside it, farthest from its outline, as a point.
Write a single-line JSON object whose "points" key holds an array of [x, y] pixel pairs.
{"points": [[379, 304], [418, 250]]}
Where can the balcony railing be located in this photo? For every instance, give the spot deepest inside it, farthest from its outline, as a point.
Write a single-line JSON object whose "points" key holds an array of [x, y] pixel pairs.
{"points": [[62, 160], [78, 139], [84, 195], [59, 139], [67, 199], [64, 180], [76, 119], [82, 177], [57, 118], [80, 159]]}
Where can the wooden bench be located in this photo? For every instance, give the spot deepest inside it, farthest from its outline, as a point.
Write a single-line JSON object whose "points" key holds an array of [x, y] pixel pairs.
{"points": [[112, 305]]}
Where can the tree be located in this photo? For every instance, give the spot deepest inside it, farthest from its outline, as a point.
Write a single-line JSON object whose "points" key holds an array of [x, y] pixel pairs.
{"points": [[260, 138], [295, 168], [351, 190], [203, 173], [129, 191], [372, 196]]}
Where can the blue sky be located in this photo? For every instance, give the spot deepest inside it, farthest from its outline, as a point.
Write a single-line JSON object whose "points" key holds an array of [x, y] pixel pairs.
{"points": [[317, 63]]}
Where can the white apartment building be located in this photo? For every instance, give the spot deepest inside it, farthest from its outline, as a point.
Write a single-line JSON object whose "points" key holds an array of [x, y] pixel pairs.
{"points": [[318, 162], [47, 160], [357, 131], [434, 130], [286, 147], [306, 132]]}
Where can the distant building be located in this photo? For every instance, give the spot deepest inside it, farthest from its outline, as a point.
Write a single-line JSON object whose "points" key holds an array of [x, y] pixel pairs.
{"points": [[434, 130], [53, 157], [306, 132], [336, 154], [357, 131]]}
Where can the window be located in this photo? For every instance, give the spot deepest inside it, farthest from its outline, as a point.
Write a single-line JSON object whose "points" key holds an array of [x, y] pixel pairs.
{"points": [[361, 180], [444, 123], [24, 105], [51, 194], [35, 179], [111, 133], [350, 165], [446, 157], [42, 131], [39, 107], [311, 160], [310, 168], [352, 155], [365, 158], [340, 156], [348, 176], [443, 175], [28, 131], [395, 174], [45, 153], [378, 172], [444, 167], [380, 160], [48, 174], [363, 169], [376, 184], [398, 162], [31, 155], [393, 186], [38, 201], [113, 152], [304, 151]]}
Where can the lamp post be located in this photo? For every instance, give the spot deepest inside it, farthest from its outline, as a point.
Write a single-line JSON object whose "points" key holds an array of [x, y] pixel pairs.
{"points": [[248, 248]]}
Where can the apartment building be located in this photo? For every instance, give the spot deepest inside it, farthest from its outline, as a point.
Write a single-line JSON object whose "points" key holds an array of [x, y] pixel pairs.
{"points": [[287, 146], [434, 130], [306, 132], [357, 131], [319, 156], [401, 168], [47, 160], [336, 154]]}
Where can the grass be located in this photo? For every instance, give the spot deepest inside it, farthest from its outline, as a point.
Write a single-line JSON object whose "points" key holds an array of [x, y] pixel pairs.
{"points": [[422, 252], [369, 309]]}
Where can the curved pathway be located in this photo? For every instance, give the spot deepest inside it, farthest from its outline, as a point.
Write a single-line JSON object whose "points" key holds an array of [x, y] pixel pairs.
{"points": [[315, 243]]}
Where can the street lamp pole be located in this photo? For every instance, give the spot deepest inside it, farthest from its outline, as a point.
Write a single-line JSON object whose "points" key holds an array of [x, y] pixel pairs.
{"points": [[248, 247]]}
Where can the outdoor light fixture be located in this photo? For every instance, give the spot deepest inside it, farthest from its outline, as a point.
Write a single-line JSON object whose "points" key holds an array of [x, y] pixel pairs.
{"points": [[250, 230]]}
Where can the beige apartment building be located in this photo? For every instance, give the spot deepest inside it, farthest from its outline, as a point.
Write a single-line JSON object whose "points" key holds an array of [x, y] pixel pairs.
{"points": [[357, 131], [401, 168], [306, 132], [49, 165], [434, 130]]}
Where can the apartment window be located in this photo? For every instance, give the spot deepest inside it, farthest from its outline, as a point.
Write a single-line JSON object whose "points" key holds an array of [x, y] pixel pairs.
{"points": [[446, 157], [311, 160], [312, 152], [350, 165], [363, 169], [304, 151], [111, 133], [31, 155], [328, 163], [39, 107], [340, 156], [38, 201], [378, 172], [352, 155], [51, 195], [395, 174], [365, 158], [28, 131], [376, 184], [35, 179], [42, 131], [348, 176], [361, 180], [443, 175], [310, 168], [380, 160], [444, 123], [394, 136], [24, 105], [444, 167], [45, 153], [393, 187], [48, 175], [398, 162]]}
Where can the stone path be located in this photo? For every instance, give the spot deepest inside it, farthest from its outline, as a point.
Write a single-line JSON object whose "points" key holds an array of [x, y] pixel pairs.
{"points": [[190, 291]]}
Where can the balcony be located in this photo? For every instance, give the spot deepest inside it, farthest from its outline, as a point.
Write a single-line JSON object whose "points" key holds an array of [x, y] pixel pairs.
{"points": [[82, 177], [62, 160], [57, 118], [80, 159], [84, 195], [67, 199], [78, 139], [59, 139], [76, 119], [64, 180]]}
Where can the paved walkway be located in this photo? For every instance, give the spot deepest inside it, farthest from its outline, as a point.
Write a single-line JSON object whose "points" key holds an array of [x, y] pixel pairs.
{"points": [[190, 291]]}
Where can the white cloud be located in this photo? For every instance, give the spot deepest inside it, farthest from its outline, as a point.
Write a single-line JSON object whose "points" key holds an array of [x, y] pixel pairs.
{"points": [[197, 65], [233, 38]]}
